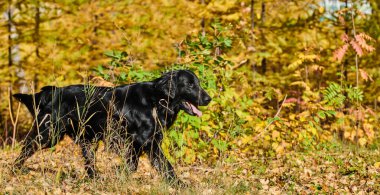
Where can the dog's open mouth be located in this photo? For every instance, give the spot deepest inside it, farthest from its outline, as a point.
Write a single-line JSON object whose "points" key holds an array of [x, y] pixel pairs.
{"points": [[191, 109]]}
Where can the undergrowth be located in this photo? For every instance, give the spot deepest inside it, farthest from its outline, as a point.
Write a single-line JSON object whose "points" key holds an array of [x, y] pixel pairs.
{"points": [[255, 136], [330, 168]]}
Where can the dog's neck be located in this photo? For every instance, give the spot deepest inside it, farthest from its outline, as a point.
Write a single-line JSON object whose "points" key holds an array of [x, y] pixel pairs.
{"points": [[165, 104], [167, 110], [168, 105]]}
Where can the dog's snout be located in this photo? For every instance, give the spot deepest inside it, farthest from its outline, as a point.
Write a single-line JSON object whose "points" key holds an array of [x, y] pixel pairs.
{"points": [[207, 99]]}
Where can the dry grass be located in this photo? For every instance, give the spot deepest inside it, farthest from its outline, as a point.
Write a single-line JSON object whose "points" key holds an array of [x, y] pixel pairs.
{"points": [[62, 172]]}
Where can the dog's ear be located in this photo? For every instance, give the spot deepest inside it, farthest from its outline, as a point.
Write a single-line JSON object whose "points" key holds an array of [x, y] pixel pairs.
{"points": [[166, 84]]}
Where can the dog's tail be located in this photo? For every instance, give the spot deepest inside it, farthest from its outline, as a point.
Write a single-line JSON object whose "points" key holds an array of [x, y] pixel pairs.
{"points": [[25, 99]]}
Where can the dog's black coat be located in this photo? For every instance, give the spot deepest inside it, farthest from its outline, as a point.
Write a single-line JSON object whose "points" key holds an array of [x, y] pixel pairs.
{"points": [[127, 116]]}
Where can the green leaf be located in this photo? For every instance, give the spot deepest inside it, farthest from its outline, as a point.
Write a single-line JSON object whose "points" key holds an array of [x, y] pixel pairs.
{"points": [[116, 54], [123, 76], [330, 113], [100, 69], [109, 53], [227, 42], [271, 120], [220, 144], [321, 114]]}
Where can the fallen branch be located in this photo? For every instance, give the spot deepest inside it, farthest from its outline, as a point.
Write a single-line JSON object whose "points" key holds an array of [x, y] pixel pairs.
{"points": [[266, 128]]}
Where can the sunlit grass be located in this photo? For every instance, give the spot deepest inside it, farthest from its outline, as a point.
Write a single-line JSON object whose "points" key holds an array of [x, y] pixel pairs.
{"points": [[335, 169]]}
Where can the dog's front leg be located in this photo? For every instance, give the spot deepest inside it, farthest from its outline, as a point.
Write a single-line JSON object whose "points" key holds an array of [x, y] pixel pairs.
{"points": [[132, 156], [89, 158], [161, 163]]}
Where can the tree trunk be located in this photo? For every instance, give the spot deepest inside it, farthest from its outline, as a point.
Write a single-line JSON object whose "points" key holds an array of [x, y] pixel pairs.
{"points": [[264, 60], [203, 23], [252, 15], [263, 12], [10, 61], [37, 20], [345, 63]]}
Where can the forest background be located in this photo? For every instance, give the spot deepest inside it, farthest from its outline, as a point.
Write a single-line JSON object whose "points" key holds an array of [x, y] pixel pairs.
{"points": [[284, 75]]}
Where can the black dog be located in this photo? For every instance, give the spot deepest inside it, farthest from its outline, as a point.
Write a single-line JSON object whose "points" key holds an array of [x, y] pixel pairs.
{"points": [[129, 118]]}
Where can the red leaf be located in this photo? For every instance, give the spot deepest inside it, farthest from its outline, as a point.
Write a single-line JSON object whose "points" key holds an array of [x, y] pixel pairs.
{"points": [[360, 39], [340, 52], [291, 100], [341, 20], [356, 47], [367, 37], [365, 75], [344, 37], [369, 110], [362, 42]]}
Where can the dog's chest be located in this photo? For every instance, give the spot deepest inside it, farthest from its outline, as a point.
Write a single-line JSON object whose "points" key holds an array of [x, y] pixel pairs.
{"points": [[164, 118]]}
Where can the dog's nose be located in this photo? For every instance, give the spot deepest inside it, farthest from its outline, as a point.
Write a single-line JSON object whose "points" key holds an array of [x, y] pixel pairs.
{"points": [[207, 99]]}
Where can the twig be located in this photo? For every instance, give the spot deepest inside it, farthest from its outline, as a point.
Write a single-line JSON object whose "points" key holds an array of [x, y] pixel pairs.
{"points": [[240, 64], [357, 83], [266, 128], [13, 120]]}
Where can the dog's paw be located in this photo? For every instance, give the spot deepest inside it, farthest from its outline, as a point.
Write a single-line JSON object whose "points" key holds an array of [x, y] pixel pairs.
{"points": [[19, 169], [122, 169], [91, 173], [177, 183]]}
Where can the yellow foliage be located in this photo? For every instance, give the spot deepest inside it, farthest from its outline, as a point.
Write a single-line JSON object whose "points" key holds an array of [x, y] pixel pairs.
{"points": [[207, 129], [221, 5], [245, 139], [313, 131], [321, 9], [231, 17], [362, 141], [275, 135], [287, 53]]}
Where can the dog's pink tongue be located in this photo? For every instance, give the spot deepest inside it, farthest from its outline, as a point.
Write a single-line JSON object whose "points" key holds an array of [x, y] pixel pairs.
{"points": [[196, 111]]}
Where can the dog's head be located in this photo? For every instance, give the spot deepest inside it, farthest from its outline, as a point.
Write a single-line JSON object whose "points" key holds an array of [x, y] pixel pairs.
{"points": [[183, 86]]}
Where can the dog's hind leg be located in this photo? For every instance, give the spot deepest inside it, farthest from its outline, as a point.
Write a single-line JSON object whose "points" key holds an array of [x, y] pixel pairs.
{"points": [[39, 138]]}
